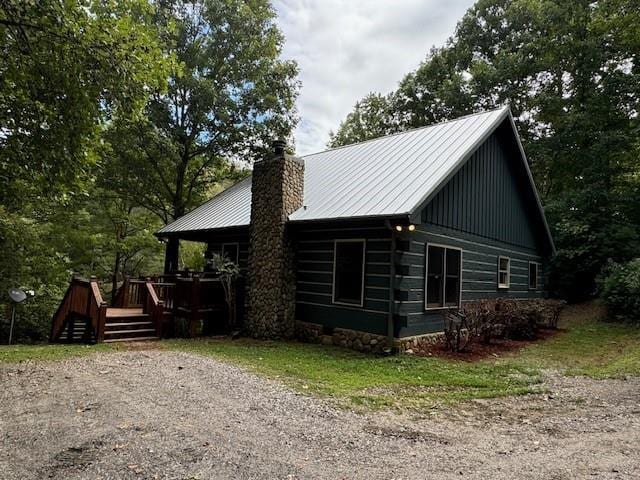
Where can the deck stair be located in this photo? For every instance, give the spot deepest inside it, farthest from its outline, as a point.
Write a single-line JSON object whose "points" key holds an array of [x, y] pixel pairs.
{"points": [[128, 325], [142, 309], [83, 316]]}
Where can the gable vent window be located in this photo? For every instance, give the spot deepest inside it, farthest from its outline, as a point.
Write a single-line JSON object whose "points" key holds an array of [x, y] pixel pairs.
{"points": [[504, 269], [231, 251], [348, 272], [534, 275], [444, 275]]}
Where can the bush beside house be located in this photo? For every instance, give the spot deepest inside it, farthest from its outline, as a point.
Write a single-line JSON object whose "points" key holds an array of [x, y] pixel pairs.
{"points": [[621, 291]]}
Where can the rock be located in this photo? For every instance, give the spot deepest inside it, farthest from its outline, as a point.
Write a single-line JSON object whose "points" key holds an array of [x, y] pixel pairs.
{"points": [[373, 342]]}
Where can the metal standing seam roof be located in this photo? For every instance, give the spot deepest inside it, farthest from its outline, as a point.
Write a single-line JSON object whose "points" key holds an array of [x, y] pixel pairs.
{"points": [[387, 176]]}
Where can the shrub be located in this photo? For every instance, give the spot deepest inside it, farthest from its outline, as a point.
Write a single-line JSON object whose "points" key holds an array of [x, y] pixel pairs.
{"points": [[621, 291], [513, 319]]}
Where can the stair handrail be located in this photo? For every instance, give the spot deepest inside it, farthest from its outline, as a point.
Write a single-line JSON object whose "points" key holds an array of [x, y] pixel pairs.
{"points": [[153, 306], [95, 308]]}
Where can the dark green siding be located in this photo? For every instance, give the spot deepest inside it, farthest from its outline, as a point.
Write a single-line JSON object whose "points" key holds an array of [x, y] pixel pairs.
{"points": [[487, 210], [314, 254], [214, 245], [479, 274], [489, 197]]}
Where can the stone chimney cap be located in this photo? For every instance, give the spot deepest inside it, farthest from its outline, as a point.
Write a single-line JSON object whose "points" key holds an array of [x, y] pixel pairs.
{"points": [[279, 146]]}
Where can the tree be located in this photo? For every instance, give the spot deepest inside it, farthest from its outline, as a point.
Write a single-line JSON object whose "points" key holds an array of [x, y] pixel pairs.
{"points": [[371, 117], [66, 67], [570, 72], [230, 97]]}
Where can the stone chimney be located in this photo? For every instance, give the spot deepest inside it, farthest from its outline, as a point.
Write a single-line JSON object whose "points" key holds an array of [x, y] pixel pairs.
{"points": [[276, 191]]}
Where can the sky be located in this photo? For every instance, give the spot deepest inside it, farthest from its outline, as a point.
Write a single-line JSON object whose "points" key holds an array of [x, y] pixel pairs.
{"points": [[348, 48]]}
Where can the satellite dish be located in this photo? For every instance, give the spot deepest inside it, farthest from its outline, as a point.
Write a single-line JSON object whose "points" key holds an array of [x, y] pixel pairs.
{"points": [[17, 295]]}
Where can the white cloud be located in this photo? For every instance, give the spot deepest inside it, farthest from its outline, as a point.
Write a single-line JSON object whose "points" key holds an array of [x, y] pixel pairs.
{"points": [[347, 48]]}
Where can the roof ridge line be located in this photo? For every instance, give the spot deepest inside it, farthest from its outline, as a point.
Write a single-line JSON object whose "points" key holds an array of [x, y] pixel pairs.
{"points": [[424, 127]]}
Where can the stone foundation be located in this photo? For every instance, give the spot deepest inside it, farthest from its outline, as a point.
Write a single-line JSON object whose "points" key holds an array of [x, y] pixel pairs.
{"points": [[419, 344], [360, 341], [367, 342], [309, 332]]}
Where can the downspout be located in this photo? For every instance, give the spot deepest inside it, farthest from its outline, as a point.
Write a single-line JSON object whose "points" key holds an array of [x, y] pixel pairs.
{"points": [[392, 288]]}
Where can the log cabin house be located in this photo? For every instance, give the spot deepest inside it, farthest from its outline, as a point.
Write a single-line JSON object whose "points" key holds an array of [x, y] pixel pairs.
{"points": [[371, 244]]}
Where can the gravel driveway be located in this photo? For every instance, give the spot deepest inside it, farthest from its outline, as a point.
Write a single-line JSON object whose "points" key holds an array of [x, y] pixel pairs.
{"points": [[156, 414]]}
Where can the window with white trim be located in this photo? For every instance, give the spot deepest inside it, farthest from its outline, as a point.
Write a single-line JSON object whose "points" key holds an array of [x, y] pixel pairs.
{"points": [[348, 272], [444, 275], [504, 272], [534, 275], [231, 251]]}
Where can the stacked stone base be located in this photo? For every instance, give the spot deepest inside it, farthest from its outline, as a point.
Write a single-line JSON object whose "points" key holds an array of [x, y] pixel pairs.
{"points": [[419, 344], [367, 342]]}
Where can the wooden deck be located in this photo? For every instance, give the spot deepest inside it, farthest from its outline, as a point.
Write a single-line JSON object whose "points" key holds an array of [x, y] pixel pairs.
{"points": [[113, 312], [142, 310]]}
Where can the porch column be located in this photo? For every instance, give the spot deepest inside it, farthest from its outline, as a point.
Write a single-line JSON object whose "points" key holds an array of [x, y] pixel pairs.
{"points": [[171, 254]]}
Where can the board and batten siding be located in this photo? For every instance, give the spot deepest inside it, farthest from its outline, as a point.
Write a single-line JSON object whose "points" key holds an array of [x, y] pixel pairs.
{"points": [[484, 211], [314, 289]]}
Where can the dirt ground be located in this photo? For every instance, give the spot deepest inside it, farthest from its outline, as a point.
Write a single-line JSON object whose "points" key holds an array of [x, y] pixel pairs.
{"points": [[157, 414]]}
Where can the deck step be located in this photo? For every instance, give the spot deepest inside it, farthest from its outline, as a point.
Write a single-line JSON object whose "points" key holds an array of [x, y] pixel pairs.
{"points": [[132, 339], [129, 331], [127, 325], [126, 318]]}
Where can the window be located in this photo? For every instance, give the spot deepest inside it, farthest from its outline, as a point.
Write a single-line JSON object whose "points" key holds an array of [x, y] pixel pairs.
{"points": [[348, 272], [533, 275], [443, 276], [231, 251], [504, 267]]}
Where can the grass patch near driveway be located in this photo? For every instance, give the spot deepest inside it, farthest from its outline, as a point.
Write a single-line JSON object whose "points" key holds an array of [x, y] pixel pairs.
{"points": [[590, 346], [21, 353], [366, 379], [586, 347]]}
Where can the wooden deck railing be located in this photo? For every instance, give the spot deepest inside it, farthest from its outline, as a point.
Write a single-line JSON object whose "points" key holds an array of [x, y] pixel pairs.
{"points": [[130, 294], [191, 298], [82, 302]]}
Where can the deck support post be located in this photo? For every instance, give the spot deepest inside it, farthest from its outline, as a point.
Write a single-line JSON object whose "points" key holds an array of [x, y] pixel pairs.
{"points": [[171, 255]]}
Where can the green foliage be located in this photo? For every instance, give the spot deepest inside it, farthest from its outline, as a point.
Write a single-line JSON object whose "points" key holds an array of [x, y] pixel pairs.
{"points": [[570, 72], [621, 291], [117, 117], [228, 97], [228, 272], [192, 256], [29, 259], [371, 117], [66, 67]]}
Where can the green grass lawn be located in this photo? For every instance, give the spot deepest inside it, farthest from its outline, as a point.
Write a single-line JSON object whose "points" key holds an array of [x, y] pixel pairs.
{"points": [[589, 346], [586, 346], [21, 353], [365, 379]]}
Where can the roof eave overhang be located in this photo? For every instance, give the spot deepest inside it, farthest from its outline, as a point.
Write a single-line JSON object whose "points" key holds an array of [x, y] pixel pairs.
{"points": [[387, 216], [231, 228]]}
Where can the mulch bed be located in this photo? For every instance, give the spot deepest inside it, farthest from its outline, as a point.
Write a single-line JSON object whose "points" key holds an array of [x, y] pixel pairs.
{"points": [[479, 351]]}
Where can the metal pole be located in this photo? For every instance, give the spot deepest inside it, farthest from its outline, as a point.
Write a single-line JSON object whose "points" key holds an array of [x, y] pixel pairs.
{"points": [[13, 320]]}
